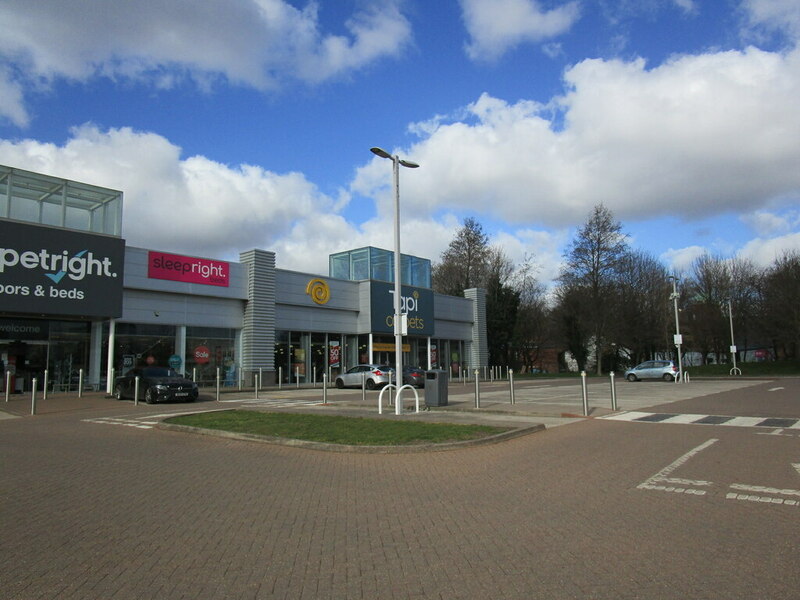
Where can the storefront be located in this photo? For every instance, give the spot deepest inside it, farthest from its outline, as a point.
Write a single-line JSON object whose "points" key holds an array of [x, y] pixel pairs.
{"points": [[76, 302]]}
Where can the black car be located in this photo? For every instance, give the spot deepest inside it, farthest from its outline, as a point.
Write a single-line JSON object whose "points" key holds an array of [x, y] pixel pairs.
{"points": [[413, 376], [156, 384]]}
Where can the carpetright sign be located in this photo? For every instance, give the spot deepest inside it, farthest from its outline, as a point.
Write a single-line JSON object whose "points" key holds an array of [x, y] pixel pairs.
{"points": [[54, 271]]}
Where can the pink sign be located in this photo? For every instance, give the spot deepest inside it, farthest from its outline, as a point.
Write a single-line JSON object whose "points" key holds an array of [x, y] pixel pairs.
{"points": [[187, 269]]}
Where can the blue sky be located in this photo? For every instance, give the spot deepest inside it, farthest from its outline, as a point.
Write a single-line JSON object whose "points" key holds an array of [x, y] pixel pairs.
{"points": [[234, 124]]}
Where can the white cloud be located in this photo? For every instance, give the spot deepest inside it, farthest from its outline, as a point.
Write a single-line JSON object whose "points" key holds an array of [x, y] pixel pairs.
{"points": [[682, 259], [258, 43], [12, 105], [782, 15], [687, 6], [191, 205], [695, 137], [495, 27], [763, 252], [767, 223]]}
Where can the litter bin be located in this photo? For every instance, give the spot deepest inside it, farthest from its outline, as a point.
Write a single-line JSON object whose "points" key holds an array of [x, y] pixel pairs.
{"points": [[436, 388]]}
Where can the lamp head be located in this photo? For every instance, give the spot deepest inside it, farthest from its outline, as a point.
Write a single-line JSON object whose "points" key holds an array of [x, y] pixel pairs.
{"points": [[380, 152]]}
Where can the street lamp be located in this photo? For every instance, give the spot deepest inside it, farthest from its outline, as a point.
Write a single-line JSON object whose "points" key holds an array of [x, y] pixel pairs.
{"points": [[398, 332], [678, 339], [735, 370]]}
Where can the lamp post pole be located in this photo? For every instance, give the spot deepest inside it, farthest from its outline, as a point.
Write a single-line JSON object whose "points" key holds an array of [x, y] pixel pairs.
{"points": [[734, 370], [678, 339], [398, 332]]}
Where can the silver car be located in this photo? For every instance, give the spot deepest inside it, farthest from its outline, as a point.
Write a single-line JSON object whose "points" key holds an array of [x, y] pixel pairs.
{"points": [[653, 369], [375, 376]]}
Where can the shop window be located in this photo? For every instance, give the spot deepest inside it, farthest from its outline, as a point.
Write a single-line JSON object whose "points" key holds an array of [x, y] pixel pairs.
{"points": [[209, 349]]}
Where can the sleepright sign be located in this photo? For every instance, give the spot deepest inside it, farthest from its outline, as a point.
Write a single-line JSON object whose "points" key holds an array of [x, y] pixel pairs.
{"points": [[187, 269], [60, 272]]}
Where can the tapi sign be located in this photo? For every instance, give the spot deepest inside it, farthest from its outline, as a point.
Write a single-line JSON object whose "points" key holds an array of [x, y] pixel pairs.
{"points": [[60, 272], [417, 303]]}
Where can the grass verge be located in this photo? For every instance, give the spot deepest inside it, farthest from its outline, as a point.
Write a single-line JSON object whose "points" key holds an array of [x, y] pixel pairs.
{"points": [[332, 429]]}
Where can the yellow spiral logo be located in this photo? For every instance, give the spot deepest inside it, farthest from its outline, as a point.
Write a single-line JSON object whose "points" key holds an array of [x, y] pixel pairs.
{"points": [[319, 291]]}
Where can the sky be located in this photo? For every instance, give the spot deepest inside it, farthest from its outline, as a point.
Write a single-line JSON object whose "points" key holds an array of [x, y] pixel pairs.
{"points": [[239, 124]]}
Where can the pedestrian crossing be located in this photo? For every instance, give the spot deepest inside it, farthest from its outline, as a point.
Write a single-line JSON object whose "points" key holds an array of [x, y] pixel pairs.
{"points": [[689, 419], [273, 402], [150, 421]]}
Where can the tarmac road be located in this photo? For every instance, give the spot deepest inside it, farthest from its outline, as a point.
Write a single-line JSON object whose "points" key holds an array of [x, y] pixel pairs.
{"points": [[98, 502]]}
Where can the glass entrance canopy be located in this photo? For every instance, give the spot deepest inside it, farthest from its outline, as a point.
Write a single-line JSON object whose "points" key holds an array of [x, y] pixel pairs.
{"points": [[377, 263], [37, 198]]}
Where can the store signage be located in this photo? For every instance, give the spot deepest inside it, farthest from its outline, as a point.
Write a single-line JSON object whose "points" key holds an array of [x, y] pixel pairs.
{"points": [[187, 269], [175, 361], [417, 303], [202, 355], [319, 291], [334, 354], [384, 347], [24, 329], [55, 271]]}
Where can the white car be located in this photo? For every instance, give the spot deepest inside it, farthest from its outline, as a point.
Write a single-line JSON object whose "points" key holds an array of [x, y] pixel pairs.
{"points": [[375, 376], [653, 369]]}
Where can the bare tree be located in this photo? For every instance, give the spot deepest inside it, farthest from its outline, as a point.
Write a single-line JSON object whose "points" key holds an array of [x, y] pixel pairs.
{"points": [[463, 264], [591, 263]]}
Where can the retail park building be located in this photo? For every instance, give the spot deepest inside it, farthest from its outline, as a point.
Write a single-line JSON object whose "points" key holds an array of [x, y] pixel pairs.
{"points": [[74, 297]]}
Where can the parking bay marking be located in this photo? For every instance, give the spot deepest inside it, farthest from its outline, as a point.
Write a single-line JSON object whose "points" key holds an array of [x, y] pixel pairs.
{"points": [[663, 482]]}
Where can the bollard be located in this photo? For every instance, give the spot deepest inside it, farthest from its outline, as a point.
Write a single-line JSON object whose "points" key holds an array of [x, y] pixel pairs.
{"points": [[363, 386], [8, 384], [136, 391], [477, 389], [613, 392], [194, 374], [218, 383], [33, 397], [280, 377], [255, 384], [297, 377], [260, 377], [324, 388], [80, 383], [511, 384], [44, 387], [240, 377], [585, 394]]}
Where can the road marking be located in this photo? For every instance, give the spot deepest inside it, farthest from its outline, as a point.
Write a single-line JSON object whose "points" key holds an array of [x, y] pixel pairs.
{"points": [[662, 482], [276, 403], [139, 424], [688, 419], [767, 499], [775, 389]]}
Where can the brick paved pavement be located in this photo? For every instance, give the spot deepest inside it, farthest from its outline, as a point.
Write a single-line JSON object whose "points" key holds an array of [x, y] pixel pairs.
{"points": [[96, 511]]}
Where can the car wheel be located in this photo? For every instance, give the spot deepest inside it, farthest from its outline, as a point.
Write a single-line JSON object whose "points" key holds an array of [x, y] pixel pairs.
{"points": [[632, 377], [668, 377], [370, 384], [339, 384], [118, 391], [149, 396]]}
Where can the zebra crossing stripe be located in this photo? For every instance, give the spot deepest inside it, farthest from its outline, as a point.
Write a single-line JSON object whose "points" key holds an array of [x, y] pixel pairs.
{"points": [[688, 419]]}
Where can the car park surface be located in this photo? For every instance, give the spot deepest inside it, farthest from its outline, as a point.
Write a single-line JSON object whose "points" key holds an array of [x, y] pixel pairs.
{"points": [[260, 521]]}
